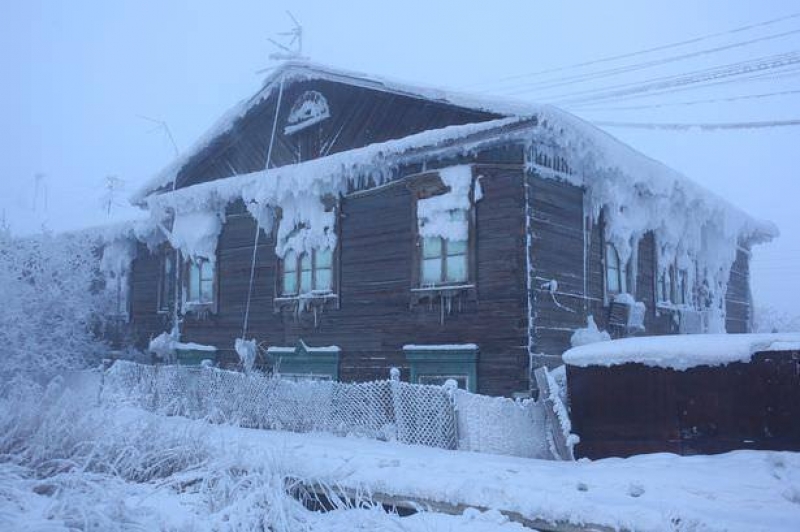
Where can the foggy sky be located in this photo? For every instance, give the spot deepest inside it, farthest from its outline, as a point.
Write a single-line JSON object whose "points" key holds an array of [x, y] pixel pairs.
{"points": [[77, 77]]}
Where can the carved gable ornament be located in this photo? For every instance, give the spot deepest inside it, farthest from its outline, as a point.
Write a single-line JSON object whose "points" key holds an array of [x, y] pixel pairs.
{"points": [[310, 108]]}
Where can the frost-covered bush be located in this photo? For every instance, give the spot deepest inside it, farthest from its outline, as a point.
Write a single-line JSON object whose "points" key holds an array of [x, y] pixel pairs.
{"points": [[52, 302], [51, 429], [771, 320], [68, 463]]}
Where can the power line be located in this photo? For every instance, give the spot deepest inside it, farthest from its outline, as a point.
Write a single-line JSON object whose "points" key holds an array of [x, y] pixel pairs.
{"points": [[591, 76], [701, 126], [693, 102], [645, 51], [783, 73], [710, 74]]}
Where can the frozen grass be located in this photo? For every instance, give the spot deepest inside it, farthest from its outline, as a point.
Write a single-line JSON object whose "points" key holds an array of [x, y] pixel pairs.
{"points": [[68, 464]]}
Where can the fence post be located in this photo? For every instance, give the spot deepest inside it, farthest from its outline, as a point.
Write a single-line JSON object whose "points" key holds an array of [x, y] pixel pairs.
{"points": [[399, 423], [450, 386], [561, 450]]}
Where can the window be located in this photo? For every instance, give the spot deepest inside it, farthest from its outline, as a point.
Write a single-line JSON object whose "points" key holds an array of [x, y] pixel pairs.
{"points": [[200, 288], [307, 272], [446, 260], [166, 282], [444, 244], [674, 287], [616, 272], [680, 285], [443, 261], [664, 286]]}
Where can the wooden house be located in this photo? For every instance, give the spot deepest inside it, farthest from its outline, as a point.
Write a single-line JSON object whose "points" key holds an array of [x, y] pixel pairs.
{"points": [[351, 224]]}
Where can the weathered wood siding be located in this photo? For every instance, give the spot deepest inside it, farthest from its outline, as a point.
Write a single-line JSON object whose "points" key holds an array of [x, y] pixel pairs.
{"points": [[146, 321], [374, 318], [358, 116], [737, 299]]}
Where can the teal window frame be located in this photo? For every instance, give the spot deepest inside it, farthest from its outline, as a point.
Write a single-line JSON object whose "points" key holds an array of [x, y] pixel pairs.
{"points": [[305, 361], [445, 361], [194, 357]]}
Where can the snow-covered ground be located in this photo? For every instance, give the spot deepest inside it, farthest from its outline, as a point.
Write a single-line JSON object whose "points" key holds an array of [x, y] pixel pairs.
{"points": [[67, 465]]}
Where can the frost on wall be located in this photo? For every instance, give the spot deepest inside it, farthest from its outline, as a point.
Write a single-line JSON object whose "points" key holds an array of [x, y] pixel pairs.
{"points": [[634, 195], [445, 215]]}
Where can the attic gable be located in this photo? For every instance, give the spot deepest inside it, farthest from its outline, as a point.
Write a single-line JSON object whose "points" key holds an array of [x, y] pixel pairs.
{"points": [[321, 112]]}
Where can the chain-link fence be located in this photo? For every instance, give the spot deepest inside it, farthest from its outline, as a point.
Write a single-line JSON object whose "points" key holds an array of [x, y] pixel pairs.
{"points": [[436, 416]]}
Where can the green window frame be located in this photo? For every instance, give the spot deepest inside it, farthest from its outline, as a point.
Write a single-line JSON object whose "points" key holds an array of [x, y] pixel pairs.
{"points": [[435, 364], [303, 362]]}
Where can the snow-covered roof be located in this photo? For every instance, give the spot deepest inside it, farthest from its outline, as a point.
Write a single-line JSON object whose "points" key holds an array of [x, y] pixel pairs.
{"points": [[681, 352], [567, 131], [291, 71]]}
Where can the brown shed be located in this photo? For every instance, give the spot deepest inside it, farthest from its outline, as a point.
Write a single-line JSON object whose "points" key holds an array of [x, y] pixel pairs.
{"points": [[628, 398]]}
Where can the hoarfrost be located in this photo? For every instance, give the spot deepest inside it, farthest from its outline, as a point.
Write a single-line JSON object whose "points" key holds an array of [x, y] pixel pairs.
{"points": [[247, 350]]}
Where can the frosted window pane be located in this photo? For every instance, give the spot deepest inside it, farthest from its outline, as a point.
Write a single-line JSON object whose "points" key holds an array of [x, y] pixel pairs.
{"points": [[456, 247], [456, 268], [623, 279], [194, 282], [289, 283], [323, 278], [206, 271], [206, 290], [305, 281], [324, 258], [305, 262], [613, 280], [431, 271], [290, 262], [431, 247]]}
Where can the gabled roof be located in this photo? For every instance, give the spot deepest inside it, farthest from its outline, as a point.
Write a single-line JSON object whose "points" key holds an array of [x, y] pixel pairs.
{"points": [[294, 71]]}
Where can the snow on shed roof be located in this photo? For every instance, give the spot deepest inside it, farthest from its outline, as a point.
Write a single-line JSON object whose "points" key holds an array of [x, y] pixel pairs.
{"points": [[680, 352]]}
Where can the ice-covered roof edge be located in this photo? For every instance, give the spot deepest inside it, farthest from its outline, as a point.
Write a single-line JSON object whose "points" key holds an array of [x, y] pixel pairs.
{"points": [[597, 155]]}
